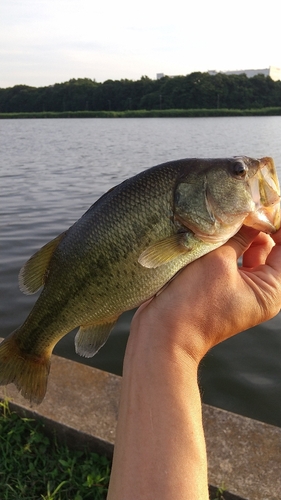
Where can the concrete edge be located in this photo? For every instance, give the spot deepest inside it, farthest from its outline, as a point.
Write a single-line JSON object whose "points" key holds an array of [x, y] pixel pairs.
{"points": [[81, 408]]}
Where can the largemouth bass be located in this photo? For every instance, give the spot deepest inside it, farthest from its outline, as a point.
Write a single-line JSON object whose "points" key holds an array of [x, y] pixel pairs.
{"points": [[125, 248]]}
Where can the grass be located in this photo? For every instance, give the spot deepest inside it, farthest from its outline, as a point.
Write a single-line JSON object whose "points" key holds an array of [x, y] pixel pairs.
{"points": [[34, 467], [218, 494], [143, 113]]}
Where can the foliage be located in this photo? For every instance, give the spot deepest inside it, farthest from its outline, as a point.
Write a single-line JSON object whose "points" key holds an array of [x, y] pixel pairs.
{"points": [[33, 467], [195, 91]]}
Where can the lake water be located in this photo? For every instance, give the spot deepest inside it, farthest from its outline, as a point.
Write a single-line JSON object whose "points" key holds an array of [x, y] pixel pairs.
{"points": [[51, 171]]}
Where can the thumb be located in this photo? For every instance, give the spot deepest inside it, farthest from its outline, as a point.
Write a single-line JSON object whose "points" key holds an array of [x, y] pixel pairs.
{"points": [[242, 240]]}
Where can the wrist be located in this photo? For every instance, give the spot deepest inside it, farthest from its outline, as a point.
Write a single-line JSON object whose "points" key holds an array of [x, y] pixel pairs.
{"points": [[171, 340], [154, 357]]}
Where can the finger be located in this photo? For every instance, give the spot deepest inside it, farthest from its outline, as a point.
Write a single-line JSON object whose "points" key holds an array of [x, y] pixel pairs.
{"points": [[258, 251], [277, 237], [242, 240], [274, 258]]}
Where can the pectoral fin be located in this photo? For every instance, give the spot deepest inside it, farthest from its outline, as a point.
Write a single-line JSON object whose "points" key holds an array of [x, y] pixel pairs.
{"points": [[165, 250], [33, 274], [89, 339]]}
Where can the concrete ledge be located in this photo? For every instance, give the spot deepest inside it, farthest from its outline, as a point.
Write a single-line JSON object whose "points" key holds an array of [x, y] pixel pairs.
{"points": [[243, 454], [81, 406]]}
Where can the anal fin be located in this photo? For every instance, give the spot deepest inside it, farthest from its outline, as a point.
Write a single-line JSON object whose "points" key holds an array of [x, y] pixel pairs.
{"points": [[89, 339]]}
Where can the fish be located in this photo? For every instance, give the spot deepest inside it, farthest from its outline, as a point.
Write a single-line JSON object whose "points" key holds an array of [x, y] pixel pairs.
{"points": [[126, 248]]}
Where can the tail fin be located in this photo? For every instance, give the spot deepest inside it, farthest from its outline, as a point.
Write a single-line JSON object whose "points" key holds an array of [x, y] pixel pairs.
{"points": [[29, 373]]}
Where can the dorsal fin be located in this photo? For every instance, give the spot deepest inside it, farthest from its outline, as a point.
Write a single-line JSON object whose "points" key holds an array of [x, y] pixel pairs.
{"points": [[32, 275]]}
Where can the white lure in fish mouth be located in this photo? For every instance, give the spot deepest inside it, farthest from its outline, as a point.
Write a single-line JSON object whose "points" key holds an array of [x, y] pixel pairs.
{"points": [[265, 191]]}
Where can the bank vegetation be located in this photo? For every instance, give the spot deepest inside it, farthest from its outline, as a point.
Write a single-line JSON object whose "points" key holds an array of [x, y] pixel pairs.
{"points": [[197, 94]]}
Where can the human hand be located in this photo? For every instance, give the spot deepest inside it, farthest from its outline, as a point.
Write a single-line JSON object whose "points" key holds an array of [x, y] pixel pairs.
{"points": [[212, 299]]}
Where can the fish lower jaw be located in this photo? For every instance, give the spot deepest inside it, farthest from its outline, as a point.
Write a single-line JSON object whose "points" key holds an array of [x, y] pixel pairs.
{"points": [[267, 221]]}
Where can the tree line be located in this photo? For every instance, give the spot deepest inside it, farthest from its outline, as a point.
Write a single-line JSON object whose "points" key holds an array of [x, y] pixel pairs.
{"points": [[193, 91]]}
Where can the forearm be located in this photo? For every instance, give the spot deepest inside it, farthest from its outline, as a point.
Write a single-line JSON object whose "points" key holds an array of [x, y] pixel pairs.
{"points": [[160, 447]]}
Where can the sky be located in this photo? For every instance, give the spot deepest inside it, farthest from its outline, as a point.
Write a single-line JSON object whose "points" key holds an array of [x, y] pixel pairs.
{"points": [[43, 42]]}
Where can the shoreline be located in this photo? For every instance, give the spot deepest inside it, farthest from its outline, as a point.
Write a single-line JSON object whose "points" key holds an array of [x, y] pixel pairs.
{"points": [[143, 113]]}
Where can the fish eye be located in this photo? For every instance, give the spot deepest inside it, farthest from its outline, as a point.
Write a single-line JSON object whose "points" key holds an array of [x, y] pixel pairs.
{"points": [[239, 169]]}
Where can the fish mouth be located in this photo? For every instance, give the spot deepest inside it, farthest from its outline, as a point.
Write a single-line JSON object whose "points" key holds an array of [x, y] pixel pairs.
{"points": [[265, 190]]}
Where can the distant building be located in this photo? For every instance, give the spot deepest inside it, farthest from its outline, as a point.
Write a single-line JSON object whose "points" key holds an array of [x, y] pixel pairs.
{"points": [[161, 75], [272, 71]]}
